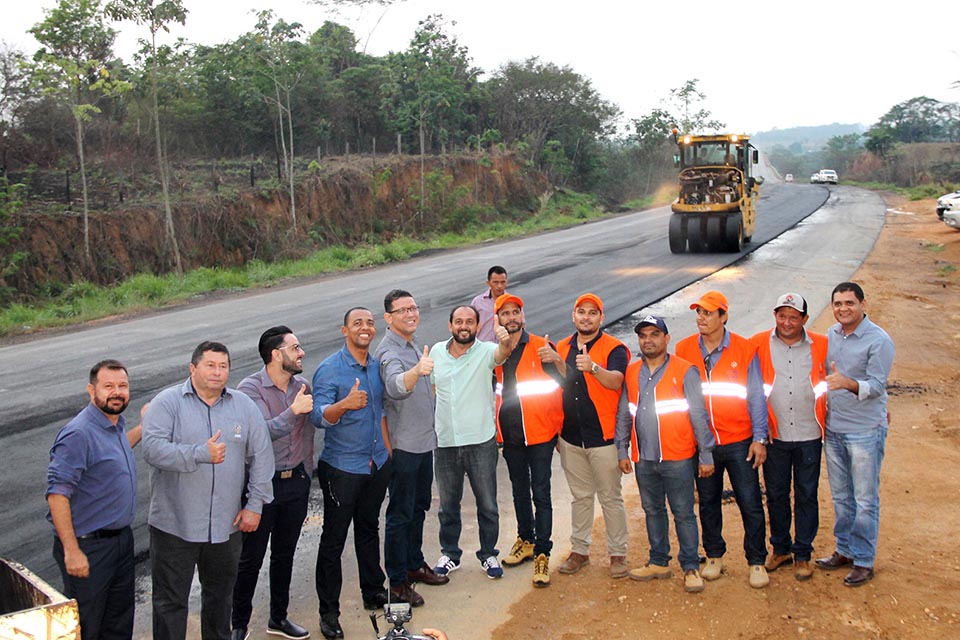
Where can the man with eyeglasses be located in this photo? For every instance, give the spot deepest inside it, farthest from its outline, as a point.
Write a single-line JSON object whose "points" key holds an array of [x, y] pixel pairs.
{"points": [[284, 399], [354, 468], [408, 405], [733, 390]]}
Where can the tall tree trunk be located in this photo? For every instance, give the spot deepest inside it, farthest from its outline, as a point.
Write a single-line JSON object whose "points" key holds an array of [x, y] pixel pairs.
{"points": [[293, 201], [161, 165], [83, 182]]}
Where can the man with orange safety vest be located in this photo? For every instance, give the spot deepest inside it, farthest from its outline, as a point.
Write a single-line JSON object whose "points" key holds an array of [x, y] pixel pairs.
{"points": [[733, 390], [794, 366], [529, 416], [662, 423], [593, 364]]}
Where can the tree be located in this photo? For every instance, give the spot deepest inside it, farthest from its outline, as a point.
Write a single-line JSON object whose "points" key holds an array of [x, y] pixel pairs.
{"points": [[684, 103], [73, 64], [10, 202], [842, 151], [13, 87], [923, 119], [157, 17], [276, 45], [652, 135]]}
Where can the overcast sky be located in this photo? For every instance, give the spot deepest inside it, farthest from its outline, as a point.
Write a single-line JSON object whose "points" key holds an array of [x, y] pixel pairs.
{"points": [[762, 65]]}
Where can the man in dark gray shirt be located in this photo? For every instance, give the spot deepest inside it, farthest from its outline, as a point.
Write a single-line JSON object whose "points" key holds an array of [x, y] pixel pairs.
{"points": [[409, 409], [285, 401]]}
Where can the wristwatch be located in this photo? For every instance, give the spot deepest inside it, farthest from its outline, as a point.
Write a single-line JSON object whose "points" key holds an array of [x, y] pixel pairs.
{"points": [[594, 368], [764, 442]]}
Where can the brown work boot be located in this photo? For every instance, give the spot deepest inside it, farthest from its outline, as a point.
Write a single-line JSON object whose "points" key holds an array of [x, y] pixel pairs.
{"points": [[777, 560], [692, 582], [522, 550], [803, 570], [650, 572], [574, 562], [618, 567], [541, 570]]}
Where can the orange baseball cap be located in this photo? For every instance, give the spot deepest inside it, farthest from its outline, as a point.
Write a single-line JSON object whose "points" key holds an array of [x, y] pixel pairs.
{"points": [[589, 297], [504, 299], [711, 301]]}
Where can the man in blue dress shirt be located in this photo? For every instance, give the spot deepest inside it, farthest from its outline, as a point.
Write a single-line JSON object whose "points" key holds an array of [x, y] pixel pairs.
{"points": [[859, 358], [92, 495], [354, 467]]}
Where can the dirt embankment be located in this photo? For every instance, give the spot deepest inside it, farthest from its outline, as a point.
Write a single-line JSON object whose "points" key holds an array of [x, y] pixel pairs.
{"points": [[350, 201], [913, 291]]}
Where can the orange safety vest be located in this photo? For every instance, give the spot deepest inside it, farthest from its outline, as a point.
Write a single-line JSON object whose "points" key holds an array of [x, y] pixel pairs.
{"points": [[726, 389], [541, 398], [604, 400], [677, 439], [818, 375]]}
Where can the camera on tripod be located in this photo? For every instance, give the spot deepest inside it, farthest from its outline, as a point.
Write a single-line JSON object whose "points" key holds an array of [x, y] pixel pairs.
{"points": [[397, 614]]}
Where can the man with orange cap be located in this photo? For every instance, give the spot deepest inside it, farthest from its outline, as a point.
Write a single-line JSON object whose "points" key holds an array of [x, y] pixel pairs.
{"points": [[529, 416], [593, 364], [733, 390]]}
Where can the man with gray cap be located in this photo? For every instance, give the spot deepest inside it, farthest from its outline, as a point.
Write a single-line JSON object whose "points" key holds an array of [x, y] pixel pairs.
{"points": [[662, 424], [793, 362]]}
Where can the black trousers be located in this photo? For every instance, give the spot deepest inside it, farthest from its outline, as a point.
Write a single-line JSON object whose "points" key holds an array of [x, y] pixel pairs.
{"points": [[105, 597], [280, 525], [350, 498], [173, 561]]}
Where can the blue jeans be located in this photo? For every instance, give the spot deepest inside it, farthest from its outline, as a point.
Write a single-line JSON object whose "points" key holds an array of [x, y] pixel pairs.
{"points": [[853, 467], [479, 463], [796, 463], [530, 469], [673, 481], [410, 495], [732, 458]]}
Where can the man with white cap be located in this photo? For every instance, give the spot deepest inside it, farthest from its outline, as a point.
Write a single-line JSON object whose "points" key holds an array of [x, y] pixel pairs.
{"points": [[529, 416], [733, 391], [593, 363], [662, 424], [793, 362]]}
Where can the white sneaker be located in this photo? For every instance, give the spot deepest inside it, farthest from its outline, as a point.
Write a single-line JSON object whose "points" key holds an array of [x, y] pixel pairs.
{"points": [[445, 565], [713, 569], [492, 567]]}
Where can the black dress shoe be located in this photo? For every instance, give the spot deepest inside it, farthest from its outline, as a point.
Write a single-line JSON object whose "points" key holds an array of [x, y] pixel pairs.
{"points": [[287, 629], [331, 628], [405, 593], [834, 561], [376, 601], [426, 575], [858, 576]]}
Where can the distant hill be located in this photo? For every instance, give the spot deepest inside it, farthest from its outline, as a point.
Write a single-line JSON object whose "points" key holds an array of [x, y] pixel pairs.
{"points": [[804, 139]]}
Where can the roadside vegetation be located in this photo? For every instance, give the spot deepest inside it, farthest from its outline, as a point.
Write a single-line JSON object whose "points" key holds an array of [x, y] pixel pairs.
{"points": [[83, 301]]}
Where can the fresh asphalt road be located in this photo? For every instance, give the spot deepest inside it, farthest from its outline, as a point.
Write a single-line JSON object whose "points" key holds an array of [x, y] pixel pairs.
{"points": [[625, 260]]}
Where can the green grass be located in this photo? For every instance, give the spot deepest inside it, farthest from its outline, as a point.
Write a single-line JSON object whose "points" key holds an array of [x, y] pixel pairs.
{"points": [[83, 301], [921, 192]]}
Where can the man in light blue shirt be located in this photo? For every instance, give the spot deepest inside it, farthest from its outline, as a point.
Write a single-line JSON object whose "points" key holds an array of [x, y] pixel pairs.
{"points": [[859, 357], [466, 435]]}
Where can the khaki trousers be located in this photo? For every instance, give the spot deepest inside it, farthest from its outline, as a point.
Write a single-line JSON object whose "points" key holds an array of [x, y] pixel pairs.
{"points": [[594, 472]]}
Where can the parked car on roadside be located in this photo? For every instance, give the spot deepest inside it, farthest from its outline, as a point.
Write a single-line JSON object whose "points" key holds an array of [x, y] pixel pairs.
{"points": [[815, 178], [951, 218], [829, 176], [947, 202], [788, 177]]}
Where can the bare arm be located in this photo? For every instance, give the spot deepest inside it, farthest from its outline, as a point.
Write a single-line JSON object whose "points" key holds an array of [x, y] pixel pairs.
{"points": [[74, 559]]}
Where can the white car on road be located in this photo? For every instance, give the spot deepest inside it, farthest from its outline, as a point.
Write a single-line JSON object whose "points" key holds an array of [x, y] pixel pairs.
{"points": [[829, 176], [952, 218], [948, 202]]}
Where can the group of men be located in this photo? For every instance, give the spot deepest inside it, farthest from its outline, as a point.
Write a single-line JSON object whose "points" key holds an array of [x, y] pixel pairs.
{"points": [[231, 469]]}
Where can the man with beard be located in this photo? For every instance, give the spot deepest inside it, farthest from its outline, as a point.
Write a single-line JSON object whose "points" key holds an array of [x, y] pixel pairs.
{"points": [[529, 416], [284, 399], [354, 468], [405, 368], [92, 495], [595, 363], [466, 435], [202, 439]]}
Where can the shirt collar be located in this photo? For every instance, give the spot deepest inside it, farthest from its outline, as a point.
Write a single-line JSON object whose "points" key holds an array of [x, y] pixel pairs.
{"points": [[804, 339], [346, 355], [187, 389], [397, 339], [264, 378], [859, 331], [99, 418]]}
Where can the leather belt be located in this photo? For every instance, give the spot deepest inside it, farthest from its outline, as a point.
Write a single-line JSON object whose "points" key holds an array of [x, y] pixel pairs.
{"points": [[287, 473], [102, 533]]}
